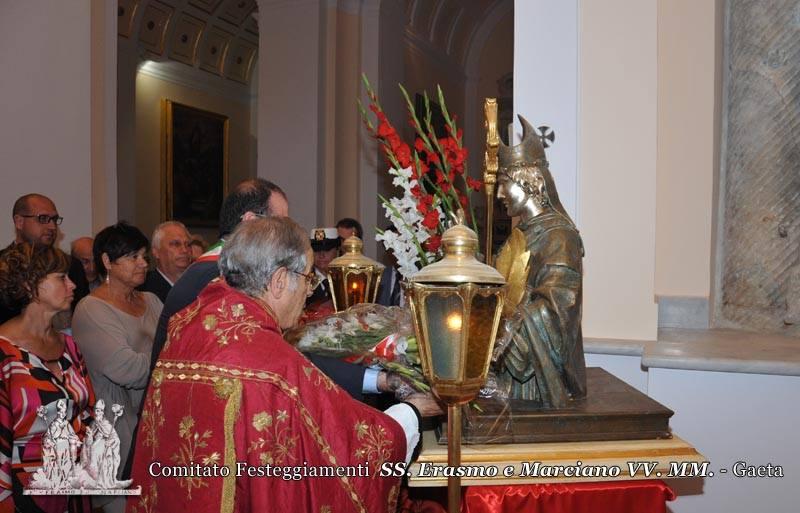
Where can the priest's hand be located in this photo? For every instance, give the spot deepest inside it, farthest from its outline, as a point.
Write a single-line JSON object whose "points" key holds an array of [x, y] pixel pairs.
{"points": [[396, 384], [426, 404]]}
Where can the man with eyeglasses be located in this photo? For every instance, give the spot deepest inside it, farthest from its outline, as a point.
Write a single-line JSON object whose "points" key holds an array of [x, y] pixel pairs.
{"points": [[251, 199], [36, 220], [170, 248]]}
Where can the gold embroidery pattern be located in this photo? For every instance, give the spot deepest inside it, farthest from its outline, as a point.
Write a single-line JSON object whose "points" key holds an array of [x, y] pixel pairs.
{"points": [[320, 379], [180, 371], [277, 444], [230, 390], [179, 321], [394, 494], [230, 323], [375, 445], [187, 453], [147, 501], [325, 508], [153, 417]]}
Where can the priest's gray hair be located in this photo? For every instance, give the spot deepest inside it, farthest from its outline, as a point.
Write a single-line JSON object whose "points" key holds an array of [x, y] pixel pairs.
{"points": [[258, 248]]}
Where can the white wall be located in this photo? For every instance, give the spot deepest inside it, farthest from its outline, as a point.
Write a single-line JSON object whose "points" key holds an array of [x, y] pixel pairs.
{"points": [[727, 417], [45, 139], [546, 83], [289, 104], [732, 417], [614, 191]]}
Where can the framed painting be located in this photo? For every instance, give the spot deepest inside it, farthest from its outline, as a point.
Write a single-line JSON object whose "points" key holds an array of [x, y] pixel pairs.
{"points": [[195, 164]]}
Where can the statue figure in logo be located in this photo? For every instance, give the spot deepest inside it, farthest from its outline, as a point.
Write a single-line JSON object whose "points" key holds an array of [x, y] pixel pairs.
{"points": [[539, 351], [101, 452], [99, 463], [59, 449]]}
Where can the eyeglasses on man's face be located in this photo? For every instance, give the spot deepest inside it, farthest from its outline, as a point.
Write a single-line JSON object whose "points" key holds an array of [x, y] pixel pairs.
{"points": [[44, 218], [311, 278]]}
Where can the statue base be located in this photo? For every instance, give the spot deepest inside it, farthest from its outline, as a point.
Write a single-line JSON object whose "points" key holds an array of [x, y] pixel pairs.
{"points": [[611, 410]]}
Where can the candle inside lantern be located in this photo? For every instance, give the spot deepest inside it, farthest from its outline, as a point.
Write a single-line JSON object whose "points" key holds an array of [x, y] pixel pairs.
{"points": [[454, 321], [355, 293]]}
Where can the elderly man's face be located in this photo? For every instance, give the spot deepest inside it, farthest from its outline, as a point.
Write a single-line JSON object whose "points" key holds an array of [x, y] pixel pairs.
{"points": [[28, 226], [173, 255], [296, 299]]}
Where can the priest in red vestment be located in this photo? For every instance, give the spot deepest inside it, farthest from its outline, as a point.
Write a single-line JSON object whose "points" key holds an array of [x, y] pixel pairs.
{"points": [[236, 419]]}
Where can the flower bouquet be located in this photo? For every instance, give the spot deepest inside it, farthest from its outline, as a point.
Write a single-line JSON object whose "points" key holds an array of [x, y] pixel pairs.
{"points": [[432, 177], [366, 334]]}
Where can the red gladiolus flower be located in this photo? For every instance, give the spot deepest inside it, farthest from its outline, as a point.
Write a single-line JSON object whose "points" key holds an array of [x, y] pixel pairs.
{"points": [[439, 177], [419, 145], [403, 153], [431, 220], [422, 208], [433, 158], [416, 191], [445, 188], [423, 168], [385, 129], [473, 184], [433, 243], [463, 200]]}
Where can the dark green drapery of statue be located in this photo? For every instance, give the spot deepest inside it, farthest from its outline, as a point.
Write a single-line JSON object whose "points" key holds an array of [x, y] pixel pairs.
{"points": [[539, 355]]}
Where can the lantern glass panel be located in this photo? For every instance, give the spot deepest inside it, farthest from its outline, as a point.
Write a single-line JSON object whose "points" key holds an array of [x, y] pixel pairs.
{"points": [[445, 313], [481, 324]]}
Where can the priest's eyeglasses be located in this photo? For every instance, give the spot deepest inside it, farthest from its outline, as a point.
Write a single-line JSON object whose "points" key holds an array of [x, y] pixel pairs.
{"points": [[44, 218], [311, 278]]}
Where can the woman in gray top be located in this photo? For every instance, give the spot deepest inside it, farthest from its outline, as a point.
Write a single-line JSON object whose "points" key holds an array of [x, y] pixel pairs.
{"points": [[114, 326]]}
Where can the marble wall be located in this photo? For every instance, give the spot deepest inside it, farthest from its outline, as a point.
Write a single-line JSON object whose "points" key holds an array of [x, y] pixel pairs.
{"points": [[758, 287]]}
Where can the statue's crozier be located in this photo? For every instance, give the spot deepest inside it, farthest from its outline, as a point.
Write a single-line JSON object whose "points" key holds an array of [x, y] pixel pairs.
{"points": [[540, 354]]}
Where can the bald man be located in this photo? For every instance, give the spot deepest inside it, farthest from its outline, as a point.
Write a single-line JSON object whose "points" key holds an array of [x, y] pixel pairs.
{"points": [[81, 250], [36, 220]]}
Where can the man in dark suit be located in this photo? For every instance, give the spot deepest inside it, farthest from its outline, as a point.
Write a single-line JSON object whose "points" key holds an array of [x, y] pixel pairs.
{"points": [[250, 199], [36, 220], [170, 249]]}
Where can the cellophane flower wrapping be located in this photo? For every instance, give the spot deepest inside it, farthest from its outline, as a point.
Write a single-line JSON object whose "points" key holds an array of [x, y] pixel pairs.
{"points": [[366, 334]]}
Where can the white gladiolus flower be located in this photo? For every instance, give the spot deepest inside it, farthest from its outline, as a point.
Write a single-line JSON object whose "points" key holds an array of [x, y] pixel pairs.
{"points": [[402, 212]]}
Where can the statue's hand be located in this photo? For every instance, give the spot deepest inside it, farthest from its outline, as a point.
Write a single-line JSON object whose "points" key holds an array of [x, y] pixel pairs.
{"points": [[505, 335]]}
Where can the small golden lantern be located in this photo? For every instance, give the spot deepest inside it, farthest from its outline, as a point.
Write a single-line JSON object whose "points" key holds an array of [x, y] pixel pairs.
{"points": [[456, 305], [353, 277]]}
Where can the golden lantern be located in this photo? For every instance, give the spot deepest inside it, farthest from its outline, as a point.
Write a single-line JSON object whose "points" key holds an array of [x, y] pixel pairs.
{"points": [[353, 277], [456, 305]]}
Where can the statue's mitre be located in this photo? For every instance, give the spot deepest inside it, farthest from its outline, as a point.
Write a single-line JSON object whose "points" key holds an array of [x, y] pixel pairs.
{"points": [[529, 151]]}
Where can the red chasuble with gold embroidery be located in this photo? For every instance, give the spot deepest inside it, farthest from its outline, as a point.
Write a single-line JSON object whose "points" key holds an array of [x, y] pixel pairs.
{"points": [[229, 391]]}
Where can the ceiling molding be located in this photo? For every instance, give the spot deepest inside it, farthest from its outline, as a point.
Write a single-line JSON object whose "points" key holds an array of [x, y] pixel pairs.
{"points": [[453, 30], [480, 34], [427, 49], [182, 75]]}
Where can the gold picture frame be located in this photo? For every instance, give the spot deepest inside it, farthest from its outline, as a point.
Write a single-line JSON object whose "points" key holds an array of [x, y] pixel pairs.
{"points": [[195, 150]]}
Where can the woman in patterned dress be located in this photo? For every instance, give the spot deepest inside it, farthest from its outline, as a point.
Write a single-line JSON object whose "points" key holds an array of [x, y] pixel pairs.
{"points": [[39, 366]]}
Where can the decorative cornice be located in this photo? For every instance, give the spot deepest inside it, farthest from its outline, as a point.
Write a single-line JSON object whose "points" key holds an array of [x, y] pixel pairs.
{"points": [[424, 47], [196, 79]]}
